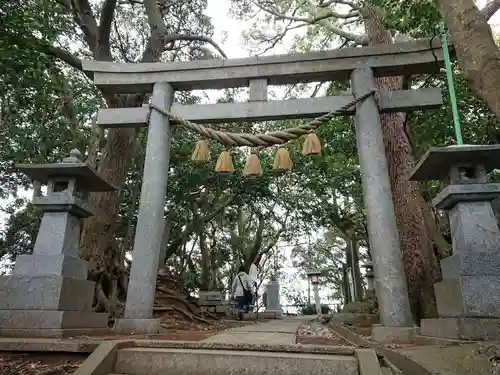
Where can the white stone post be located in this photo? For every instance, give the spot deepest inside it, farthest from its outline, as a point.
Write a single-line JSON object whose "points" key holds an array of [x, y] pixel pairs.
{"points": [[391, 288], [138, 315], [317, 300], [273, 304]]}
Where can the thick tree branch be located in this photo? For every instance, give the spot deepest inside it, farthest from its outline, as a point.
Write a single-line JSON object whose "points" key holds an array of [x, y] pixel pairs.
{"points": [[86, 20], [325, 13], [155, 19], [148, 55], [155, 45], [477, 51], [491, 8], [269, 246], [274, 40], [67, 57], [257, 243], [342, 2], [318, 18], [106, 19], [121, 44], [190, 227]]}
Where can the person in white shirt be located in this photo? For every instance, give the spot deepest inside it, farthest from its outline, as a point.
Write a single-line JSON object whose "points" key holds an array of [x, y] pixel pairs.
{"points": [[243, 291]]}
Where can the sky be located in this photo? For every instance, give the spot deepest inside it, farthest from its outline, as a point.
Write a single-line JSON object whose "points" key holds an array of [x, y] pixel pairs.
{"points": [[228, 34]]}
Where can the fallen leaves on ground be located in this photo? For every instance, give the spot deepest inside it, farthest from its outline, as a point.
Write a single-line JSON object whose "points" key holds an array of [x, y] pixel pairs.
{"points": [[24, 365]]}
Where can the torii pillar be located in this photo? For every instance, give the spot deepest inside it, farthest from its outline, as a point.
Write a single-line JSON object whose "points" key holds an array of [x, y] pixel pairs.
{"points": [[138, 316], [391, 289]]}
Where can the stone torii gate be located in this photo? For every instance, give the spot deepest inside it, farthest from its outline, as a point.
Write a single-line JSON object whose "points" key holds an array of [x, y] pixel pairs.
{"points": [[360, 65]]}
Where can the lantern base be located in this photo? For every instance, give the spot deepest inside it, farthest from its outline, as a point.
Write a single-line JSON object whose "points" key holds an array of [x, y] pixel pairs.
{"points": [[393, 335], [131, 326]]}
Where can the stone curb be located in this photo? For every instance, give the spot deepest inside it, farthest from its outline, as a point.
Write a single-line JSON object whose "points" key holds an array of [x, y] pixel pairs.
{"points": [[368, 362], [431, 340], [47, 345], [102, 360], [405, 364], [394, 369], [295, 348], [88, 346]]}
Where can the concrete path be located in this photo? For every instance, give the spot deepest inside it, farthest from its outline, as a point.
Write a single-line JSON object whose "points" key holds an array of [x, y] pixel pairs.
{"points": [[275, 332]]}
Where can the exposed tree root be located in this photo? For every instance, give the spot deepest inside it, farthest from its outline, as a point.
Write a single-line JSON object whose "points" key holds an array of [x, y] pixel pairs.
{"points": [[211, 315], [172, 301], [185, 313]]}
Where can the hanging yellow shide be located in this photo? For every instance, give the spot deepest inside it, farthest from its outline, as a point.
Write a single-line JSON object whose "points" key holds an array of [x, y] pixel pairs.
{"points": [[312, 144], [252, 166], [224, 163], [282, 160], [201, 153]]}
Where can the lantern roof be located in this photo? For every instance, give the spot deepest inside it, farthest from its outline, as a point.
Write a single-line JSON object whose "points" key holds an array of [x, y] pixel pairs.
{"points": [[69, 167]]}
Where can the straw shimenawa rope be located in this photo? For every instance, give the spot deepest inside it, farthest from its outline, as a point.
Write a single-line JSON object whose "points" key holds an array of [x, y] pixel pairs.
{"points": [[260, 140]]}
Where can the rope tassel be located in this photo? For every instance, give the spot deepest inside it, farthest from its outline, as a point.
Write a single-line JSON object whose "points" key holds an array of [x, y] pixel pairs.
{"points": [[224, 163], [252, 166], [201, 153], [312, 144], [282, 160]]}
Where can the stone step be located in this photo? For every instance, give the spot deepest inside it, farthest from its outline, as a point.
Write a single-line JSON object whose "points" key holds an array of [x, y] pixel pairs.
{"points": [[161, 361], [262, 315]]}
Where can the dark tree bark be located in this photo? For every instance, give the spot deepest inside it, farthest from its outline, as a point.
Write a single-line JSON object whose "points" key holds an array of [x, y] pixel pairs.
{"points": [[477, 51], [421, 266]]}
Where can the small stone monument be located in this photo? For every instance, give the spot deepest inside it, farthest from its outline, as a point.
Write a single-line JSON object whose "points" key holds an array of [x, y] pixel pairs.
{"points": [[273, 305], [370, 279], [48, 293], [468, 297]]}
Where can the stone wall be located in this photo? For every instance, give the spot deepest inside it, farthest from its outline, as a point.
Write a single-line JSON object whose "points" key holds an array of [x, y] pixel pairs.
{"points": [[214, 302]]}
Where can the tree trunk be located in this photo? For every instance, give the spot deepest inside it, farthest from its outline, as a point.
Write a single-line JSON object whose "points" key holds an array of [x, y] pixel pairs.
{"points": [[98, 244], [356, 273], [214, 282], [421, 266], [345, 284], [37, 190], [205, 261], [477, 52], [167, 227], [98, 230]]}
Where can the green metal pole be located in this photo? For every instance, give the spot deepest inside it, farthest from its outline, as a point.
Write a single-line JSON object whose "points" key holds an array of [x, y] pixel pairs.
{"points": [[451, 85]]}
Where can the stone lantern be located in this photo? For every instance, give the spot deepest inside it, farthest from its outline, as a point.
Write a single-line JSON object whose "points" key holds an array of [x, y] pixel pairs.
{"points": [[370, 279], [48, 293], [313, 276], [468, 298]]}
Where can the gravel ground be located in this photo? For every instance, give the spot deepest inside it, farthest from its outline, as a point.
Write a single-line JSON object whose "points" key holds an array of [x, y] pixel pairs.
{"points": [[315, 333]]}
